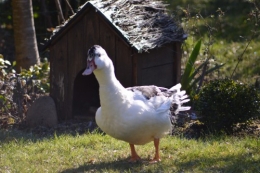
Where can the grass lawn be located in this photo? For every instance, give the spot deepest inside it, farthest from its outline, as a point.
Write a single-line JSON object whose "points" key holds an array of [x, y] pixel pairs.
{"points": [[94, 152]]}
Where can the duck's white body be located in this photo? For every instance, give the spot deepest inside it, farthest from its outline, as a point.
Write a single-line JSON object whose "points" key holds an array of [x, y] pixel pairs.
{"points": [[136, 115], [126, 116]]}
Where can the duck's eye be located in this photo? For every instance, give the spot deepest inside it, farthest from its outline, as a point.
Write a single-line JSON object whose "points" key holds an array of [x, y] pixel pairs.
{"points": [[90, 58]]}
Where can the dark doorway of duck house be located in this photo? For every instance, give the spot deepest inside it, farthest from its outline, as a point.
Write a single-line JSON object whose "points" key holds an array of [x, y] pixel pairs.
{"points": [[85, 96]]}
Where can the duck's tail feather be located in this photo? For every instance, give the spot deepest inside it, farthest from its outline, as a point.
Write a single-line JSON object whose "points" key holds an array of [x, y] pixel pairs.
{"points": [[176, 87], [165, 106], [175, 101]]}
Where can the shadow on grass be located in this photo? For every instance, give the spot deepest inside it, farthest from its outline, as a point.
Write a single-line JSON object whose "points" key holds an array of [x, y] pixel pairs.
{"points": [[117, 166], [243, 162], [228, 164], [8, 135], [39, 133]]}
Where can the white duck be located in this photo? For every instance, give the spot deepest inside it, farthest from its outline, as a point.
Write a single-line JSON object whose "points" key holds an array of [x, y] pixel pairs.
{"points": [[137, 115]]}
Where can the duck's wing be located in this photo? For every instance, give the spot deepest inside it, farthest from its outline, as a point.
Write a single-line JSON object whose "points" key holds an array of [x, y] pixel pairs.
{"points": [[144, 92], [159, 98], [162, 98], [151, 91]]}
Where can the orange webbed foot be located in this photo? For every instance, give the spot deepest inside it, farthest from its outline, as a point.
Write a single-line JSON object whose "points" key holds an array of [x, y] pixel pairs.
{"points": [[134, 156], [155, 160], [134, 159]]}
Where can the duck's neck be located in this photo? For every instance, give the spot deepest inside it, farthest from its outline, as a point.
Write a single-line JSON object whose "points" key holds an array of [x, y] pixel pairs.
{"points": [[109, 87]]}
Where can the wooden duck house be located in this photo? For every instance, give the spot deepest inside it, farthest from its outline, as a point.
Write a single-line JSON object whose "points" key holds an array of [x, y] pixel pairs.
{"points": [[143, 42]]}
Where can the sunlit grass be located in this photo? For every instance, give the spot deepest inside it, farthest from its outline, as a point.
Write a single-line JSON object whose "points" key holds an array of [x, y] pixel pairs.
{"points": [[95, 152], [229, 53], [228, 36]]}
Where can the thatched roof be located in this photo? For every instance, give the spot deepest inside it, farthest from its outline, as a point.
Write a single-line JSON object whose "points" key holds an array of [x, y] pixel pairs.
{"points": [[145, 24]]}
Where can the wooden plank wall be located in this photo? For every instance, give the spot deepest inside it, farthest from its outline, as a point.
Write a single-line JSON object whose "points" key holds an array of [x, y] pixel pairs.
{"points": [[177, 61], [68, 59], [137, 69], [82, 89], [123, 64], [118, 51], [76, 51], [157, 67], [58, 76], [107, 39]]}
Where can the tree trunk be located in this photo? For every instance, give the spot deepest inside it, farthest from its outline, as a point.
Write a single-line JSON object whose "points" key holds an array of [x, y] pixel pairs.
{"points": [[26, 50]]}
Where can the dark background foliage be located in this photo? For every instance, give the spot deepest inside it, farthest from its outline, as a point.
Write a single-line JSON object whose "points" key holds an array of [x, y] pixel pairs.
{"points": [[46, 18]]}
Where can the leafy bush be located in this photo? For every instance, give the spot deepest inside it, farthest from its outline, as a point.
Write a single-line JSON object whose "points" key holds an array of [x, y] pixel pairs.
{"points": [[18, 91], [224, 103], [38, 76]]}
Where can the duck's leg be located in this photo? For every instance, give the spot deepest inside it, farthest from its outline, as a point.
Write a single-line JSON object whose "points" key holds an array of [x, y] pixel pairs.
{"points": [[157, 155], [134, 155]]}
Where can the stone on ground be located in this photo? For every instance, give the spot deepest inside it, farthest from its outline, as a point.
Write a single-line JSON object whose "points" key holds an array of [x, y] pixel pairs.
{"points": [[42, 113]]}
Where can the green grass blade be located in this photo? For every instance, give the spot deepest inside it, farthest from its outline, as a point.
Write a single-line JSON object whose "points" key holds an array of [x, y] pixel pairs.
{"points": [[190, 65]]}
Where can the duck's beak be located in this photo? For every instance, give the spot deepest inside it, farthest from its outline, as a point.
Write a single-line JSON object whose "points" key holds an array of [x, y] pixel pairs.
{"points": [[91, 66]]}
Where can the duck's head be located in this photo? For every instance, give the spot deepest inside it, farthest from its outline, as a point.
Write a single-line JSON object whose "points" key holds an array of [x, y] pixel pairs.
{"points": [[97, 59]]}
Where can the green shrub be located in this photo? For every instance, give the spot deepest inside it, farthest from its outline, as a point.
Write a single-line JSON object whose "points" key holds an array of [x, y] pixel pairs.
{"points": [[37, 76], [18, 91], [224, 103]]}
